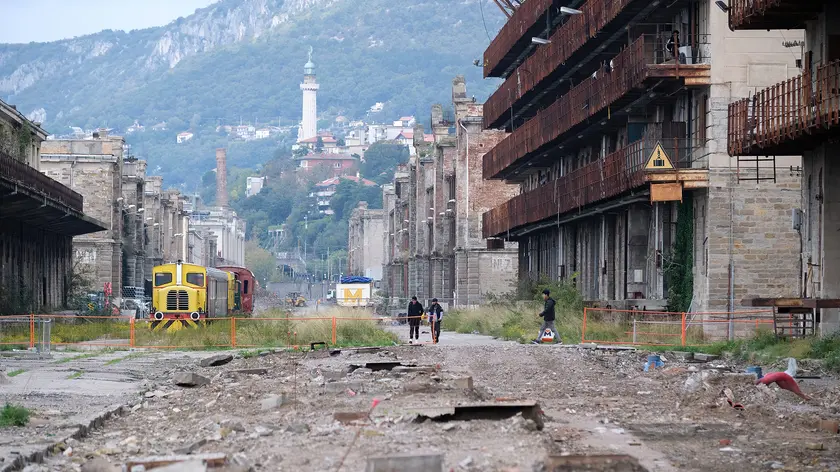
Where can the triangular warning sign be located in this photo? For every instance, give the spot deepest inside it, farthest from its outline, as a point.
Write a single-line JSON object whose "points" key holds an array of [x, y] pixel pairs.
{"points": [[659, 159]]}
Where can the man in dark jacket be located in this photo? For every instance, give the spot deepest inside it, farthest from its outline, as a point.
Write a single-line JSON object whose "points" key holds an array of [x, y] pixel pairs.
{"points": [[415, 311], [548, 317], [435, 317]]}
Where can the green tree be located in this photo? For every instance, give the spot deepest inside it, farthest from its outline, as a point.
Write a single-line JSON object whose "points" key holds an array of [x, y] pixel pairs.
{"points": [[319, 144], [381, 159], [261, 262]]}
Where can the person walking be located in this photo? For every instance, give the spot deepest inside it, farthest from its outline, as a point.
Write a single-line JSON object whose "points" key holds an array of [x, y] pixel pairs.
{"points": [[548, 317], [435, 317], [415, 311]]}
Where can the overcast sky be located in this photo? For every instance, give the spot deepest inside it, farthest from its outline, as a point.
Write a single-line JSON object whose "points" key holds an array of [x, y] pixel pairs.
{"points": [[50, 20]]}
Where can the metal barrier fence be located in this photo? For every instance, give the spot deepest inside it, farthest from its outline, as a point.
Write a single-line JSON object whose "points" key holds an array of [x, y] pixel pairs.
{"points": [[42, 332], [661, 328]]}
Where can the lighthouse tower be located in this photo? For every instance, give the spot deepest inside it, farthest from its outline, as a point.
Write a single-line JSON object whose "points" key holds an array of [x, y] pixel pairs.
{"points": [[309, 123]]}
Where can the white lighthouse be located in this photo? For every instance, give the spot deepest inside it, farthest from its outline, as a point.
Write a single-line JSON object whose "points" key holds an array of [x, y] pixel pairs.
{"points": [[309, 123]]}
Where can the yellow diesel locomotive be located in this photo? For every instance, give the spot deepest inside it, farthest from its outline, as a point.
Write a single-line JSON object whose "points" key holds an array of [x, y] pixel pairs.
{"points": [[184, 295]]}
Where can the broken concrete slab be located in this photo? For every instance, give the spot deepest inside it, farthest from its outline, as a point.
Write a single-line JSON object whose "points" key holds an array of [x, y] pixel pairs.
{"points": [[189, 379], [213, 460], [186, 466], [250, 371], [273, 402], [217, 360], [421, 387], [700, 357], [484, 411], [682, 356], [189, 449], [829, 426], [601, 463], [415, 368], [407, 463], [464, 383]]}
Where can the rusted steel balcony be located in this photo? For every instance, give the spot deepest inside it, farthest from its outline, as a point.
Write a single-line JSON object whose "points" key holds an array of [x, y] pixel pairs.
{"points": [[789, 117], [515, 36], [566, 41], [773, 14], [605, 178], [18, 173], [623, 82]]}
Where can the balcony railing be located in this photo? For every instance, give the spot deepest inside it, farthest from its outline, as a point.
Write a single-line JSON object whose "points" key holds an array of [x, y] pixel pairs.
{"points": [[525, 18], [787, 117], [646, 57], [564, 42], [773, 14], [605, 178], [17, 172]]}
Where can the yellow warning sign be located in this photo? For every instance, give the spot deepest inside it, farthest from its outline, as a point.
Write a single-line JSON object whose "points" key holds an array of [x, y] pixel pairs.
{"points": [[659, 159]]}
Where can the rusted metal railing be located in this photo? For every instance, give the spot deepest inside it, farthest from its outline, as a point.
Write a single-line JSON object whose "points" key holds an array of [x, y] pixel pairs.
{"points": [[20, 173], [605, 178], [744, 12], [525, 17], [777, 116], [589, 97], [565, 41]]}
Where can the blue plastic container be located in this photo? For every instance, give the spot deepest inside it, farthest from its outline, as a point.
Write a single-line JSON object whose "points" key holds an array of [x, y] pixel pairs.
{"points": [[654, 361], [755, 370]]}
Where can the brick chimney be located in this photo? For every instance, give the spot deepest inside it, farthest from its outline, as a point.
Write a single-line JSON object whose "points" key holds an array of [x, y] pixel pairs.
{"points": [[221, 178]]}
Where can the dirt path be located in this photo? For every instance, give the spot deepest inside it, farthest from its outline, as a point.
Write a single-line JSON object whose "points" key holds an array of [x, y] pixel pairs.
{"points": [[596, 402]]}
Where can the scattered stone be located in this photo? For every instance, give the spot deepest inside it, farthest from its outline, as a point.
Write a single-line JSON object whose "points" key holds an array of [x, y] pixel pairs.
{"points": [[420, 387], [99, 464], [299, 428], [829, 426], [815, 446], [250, 371], [464, 383], [774, 465], [520, 421], [189, 379], [217, 360], [273, 402], [410, 463], [190, 448], [263, 431], [186, 466], [725, 442], [705, 357], [232, 424], [464, 464], [449, 426], [682, 356], [341, 387]]}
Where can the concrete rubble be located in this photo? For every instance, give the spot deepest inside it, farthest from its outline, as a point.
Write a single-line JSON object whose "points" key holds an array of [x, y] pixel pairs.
{"points": [[494, 408]]}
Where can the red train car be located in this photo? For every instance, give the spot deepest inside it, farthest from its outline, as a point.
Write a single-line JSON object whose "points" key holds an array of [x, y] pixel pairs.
{"points": [[246, 286]]}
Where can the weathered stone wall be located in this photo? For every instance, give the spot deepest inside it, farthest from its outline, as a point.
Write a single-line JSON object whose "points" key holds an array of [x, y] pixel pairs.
{"points": [[765, 247]]}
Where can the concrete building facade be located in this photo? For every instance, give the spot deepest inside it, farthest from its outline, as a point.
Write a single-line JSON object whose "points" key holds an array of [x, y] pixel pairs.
{"points": [[94, 168], [366, 241], [38, 219], [798, 116], [227, 231], [610, 132], [434, 245]]}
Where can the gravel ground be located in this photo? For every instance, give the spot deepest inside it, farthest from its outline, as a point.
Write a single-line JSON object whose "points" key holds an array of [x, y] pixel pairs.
{"points": [[594, 402]]}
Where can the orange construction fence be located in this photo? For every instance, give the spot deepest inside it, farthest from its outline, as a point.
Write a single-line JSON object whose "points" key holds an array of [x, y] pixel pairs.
{"points": [[29, 331], [662, 328]]}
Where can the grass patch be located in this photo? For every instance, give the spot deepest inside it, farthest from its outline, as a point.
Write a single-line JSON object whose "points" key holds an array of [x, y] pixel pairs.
{"points": [[14, 415], [506, 318], [15, 373], [79, 357], [75, 375], [250, 353]]}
